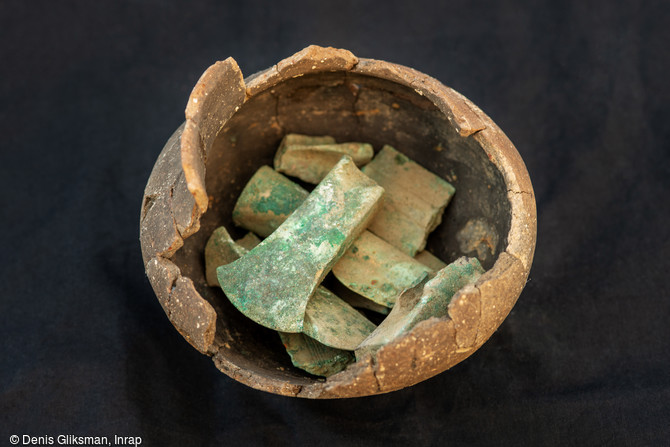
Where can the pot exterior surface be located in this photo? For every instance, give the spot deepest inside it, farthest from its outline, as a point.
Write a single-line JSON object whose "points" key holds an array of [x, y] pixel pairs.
{"points": [[233, 126]]}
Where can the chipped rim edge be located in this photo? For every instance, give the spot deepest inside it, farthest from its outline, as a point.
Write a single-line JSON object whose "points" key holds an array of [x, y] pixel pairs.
{"points": [[469, 121]]}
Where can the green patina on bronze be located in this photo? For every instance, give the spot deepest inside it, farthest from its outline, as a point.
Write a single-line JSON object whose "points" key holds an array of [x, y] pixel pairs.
{"points": [[401, 159], [329, 321], [266, 201], [314, 357], [249, 241], [429, 298], [414, 202], [399, 230], [360, 302], [377, 270], [220, 249], [305, 140], [333, 322], [311, 162], [430, 260], [371, 267], [273, 283]]}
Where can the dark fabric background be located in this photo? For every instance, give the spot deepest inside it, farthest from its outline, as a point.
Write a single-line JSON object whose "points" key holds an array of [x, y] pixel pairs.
{"points": [[91, 90]]}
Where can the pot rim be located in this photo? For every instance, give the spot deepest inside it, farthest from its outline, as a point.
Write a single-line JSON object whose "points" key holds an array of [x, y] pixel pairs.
{"points": [[436, 344]]}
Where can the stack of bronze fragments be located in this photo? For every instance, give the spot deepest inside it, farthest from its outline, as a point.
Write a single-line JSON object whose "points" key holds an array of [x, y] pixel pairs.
{"points": [[367, 226]]}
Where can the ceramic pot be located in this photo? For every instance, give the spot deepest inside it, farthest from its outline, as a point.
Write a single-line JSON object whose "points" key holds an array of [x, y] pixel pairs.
{"points": [[234, 125]]}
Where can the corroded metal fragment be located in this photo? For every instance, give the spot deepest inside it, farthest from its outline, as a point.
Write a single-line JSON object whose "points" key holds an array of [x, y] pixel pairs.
{"points": [[377, 270], [429, 298], [273, 282], [357, 301], [311, 162], [333, 322], [266, 201], [248, 241], [430, 260], [371, 267], [296, 138], [314, 357], [414, 202], [220, 249], [328, 319], [434, 345]]}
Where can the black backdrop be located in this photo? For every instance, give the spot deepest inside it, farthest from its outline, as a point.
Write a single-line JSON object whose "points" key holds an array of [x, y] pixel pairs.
{"points": [[90, 92]]}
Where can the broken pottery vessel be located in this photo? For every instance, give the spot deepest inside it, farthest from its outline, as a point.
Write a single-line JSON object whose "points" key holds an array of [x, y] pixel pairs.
{"points": [[234, 125]]}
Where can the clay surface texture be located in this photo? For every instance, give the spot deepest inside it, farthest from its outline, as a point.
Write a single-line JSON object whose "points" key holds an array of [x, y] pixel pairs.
{"points": [[432, 148]]}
